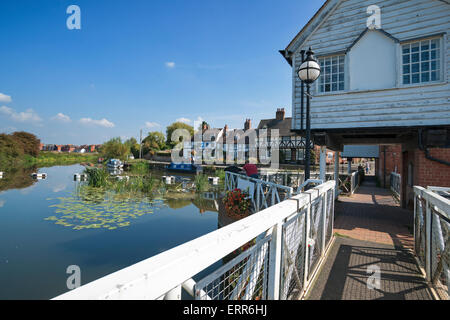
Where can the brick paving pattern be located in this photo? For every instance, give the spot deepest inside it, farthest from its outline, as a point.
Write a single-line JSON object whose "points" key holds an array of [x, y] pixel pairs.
{"points": [[374, 231], [372, 214], [344, 276]]}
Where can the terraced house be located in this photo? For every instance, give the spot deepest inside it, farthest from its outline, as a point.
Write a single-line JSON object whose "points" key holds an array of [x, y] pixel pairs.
{"points": [[384, 80]]}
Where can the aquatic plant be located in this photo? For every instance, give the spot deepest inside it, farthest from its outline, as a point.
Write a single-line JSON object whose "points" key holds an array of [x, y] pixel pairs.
{"points": [[93, 208], [97, 177], [221, 174], [201, 183], [140, 168]]}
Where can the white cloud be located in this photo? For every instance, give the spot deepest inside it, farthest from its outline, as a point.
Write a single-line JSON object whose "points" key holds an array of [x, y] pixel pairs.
{"points": [[27, 116], [61, 117], [170, 65], [149, 124], [185, 120], [5, 98], [102, 123]]}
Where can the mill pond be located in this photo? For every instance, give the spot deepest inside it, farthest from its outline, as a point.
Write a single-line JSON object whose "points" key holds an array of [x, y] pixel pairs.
{"points": [[51, 224]]}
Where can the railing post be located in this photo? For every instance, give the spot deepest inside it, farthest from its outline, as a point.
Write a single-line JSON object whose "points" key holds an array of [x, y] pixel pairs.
{"points": [[275, 262]]}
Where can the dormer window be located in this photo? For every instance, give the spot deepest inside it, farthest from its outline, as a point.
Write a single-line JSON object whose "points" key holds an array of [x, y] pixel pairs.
{"points": [[332, 76], [421, 61]]}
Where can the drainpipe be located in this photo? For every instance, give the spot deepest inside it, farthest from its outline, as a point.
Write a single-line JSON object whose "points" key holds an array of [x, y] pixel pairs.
{"points": [[427, 152]]}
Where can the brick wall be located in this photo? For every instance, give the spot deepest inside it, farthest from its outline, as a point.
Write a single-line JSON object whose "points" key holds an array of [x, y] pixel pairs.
{"points": [[432, 173], [393, 162]]}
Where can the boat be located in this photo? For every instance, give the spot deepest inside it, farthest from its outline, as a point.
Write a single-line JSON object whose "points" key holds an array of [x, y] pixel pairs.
{"points": [[185, 167], [114, 164]]}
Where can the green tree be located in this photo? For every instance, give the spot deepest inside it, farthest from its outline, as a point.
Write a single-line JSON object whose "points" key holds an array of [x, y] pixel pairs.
{"points": [[174, 126], [115, 149], [29, 142], [134, 147], [155, 141]]}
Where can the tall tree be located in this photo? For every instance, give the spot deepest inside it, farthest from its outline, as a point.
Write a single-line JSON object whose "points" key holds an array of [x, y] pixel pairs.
{"points": [[115, 149], [29, 142], [174, 126], [155, 141]]}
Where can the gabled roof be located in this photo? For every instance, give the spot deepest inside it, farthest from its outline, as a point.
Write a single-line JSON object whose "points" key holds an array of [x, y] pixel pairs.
{"points": [[312, 24], [283, 126], [365, 31]]}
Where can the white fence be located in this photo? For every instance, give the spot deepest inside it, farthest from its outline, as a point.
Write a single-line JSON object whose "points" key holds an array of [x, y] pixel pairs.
{"points": [[262, 193], [287, 241], [431, 236], [396, 183]]}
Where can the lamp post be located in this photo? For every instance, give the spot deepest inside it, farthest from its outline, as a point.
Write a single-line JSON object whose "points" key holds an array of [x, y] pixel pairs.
{"points": [[308, 72]]}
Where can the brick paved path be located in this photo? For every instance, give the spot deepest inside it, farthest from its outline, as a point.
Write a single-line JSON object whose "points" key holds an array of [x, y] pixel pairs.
{"points": [[344, 275], [372, 214], [375, 231]]}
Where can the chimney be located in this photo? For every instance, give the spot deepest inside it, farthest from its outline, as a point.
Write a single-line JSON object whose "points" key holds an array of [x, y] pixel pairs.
{"points": [[225, 128], [248, 124], [280, 114]]}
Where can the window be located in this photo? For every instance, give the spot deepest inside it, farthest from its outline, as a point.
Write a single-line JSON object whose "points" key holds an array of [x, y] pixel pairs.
{"points": [[332, 75], [421, 61]]}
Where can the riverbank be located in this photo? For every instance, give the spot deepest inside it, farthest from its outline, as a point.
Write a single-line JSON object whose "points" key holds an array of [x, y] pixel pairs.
{"points": [[49, 159]]}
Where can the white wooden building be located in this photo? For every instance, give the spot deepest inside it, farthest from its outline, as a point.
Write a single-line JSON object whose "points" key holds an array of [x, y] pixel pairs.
{"points": [[378, 84]]}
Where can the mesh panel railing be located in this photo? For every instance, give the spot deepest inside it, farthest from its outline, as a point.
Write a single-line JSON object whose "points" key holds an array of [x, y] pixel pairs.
{"points": [[431, 236], [315, 234], [329, 217], [293, 257], [263, 194], [243, 278], [395, 182], [272, 259], [419, 229]]}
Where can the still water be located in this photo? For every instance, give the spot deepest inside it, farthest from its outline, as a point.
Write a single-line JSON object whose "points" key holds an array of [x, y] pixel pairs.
{"points": [[39, 237]]}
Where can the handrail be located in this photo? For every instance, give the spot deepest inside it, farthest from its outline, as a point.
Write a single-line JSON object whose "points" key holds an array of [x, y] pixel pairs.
{"points": [[167, 272]]}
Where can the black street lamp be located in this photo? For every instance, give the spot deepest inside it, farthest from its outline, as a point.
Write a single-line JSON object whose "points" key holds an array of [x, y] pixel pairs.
{"points": [[309, 72]]}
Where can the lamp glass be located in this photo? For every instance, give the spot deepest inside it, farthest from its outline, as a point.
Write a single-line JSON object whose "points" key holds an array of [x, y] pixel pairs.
{"points": [[309, 71]]}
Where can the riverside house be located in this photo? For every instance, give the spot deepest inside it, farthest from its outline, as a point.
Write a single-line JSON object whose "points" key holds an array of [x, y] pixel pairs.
{"points": [[385, 80]]}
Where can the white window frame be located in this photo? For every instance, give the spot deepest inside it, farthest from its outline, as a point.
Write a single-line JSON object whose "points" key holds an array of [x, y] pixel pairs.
{"points": [[317, 82], [442, 62]]}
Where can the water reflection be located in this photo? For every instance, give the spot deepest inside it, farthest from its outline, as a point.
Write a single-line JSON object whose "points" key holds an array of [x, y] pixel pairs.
{"points": [[17, 178]]}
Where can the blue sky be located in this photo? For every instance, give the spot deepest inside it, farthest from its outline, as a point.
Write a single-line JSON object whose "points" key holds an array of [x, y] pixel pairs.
{"points": [[143, 64]]}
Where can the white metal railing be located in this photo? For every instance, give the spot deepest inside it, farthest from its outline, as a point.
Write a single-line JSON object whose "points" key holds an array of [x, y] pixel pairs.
{"points": [[355, 180], [288, 239], [290, 178], [396, 182], [262, 193], [432, 236]]}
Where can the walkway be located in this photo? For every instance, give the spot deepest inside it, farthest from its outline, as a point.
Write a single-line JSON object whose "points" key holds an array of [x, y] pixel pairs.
{"points": [[372, 230]]}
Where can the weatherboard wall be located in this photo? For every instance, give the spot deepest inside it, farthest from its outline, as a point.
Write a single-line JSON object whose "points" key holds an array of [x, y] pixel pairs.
{"points": [[388, 103]]}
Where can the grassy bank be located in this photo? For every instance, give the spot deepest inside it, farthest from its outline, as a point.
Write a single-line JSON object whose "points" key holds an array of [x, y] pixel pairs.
{"points": [[48, 159]]}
